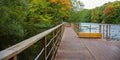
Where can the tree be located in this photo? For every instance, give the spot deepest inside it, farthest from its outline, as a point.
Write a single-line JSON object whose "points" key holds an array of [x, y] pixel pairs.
{"points": [[112, 13], [21, 19]]}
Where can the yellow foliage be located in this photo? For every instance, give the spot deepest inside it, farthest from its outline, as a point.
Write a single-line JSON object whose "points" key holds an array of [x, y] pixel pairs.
{"points": [[68, 7], [34, 1], [62, 8], [65, 2], [65, 6], [53, 1], [109, 10]]}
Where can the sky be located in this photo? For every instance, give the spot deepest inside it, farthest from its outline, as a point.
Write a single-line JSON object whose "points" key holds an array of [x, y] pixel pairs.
{"points": [[89, 4]]}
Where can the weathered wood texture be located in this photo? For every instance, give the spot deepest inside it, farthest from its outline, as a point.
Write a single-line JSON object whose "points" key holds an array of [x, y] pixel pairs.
{"points": [[13, 51], [74, 48]]}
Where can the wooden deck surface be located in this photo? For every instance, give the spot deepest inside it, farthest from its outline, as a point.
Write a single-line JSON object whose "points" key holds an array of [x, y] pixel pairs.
{"points": [[74, 48]]}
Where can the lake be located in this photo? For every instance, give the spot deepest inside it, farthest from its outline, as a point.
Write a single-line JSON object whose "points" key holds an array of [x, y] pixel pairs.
{"points": [[112, 30]]}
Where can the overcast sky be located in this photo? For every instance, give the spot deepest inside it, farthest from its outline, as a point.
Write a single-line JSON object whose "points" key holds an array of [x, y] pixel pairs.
{"points": [[89, 4]]}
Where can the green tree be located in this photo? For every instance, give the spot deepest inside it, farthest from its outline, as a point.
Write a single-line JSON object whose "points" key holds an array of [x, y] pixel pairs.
{"points": [[84, 15]]}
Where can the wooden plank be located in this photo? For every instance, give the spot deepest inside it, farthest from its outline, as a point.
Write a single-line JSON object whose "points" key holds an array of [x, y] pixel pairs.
{"points": [[71, 48], [103, 50], [44, 41], [16, 49]]}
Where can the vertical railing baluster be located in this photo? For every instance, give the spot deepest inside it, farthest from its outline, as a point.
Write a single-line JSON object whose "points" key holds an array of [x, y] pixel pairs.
{"points": [[90, 28], [53, 34], [77, 27], [80, 27], [61, 29], [100, 28], [63, 26], [107, 32], [103, 31], [58, 36], [44, 46], [56, 40]]}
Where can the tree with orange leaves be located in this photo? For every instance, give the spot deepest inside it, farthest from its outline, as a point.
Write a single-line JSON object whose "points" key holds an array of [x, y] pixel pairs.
{"points": [[111, 12], [53, 1], [63, 8]]}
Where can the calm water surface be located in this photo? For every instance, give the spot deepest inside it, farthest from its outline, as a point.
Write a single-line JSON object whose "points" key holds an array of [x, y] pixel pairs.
{"points": [[113, 30]]}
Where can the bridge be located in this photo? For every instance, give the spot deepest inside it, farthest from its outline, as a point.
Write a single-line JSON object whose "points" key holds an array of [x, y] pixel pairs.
{"points": [[63, 43]]}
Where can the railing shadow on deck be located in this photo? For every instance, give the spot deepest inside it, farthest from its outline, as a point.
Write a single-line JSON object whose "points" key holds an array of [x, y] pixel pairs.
{"points": [[56, 33]]}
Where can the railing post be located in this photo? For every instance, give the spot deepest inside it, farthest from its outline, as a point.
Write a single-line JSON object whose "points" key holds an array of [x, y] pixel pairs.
{"points": [[58, 37], [103, 30], [107, 32], [61, 32], [80, 27], [53, 34], [63, 26], [76, 28], [90, 28], [44, 46], [100, 28], [56, 40], [14, 58]]}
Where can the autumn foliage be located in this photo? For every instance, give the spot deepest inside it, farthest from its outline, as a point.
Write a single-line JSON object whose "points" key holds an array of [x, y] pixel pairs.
{"points": [[109, 10], [66, 4], [64, 7], [53, 1]]}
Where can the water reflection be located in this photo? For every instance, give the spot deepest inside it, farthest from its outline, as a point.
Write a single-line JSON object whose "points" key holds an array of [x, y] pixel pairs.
{"points": [[110, 30]]}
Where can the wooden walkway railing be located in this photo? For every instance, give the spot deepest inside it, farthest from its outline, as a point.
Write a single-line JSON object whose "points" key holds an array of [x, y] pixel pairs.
{"points": [[104, 29], [74, 48], [71, 47], [11, 53], [76, 27]]}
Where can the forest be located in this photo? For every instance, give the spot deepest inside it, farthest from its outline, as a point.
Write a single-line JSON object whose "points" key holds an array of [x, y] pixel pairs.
{"points": [[21, 19], [108, 13]]}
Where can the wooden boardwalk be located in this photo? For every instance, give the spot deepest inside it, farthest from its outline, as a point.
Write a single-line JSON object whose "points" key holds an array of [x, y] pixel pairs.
{"points": [[74, 48]]}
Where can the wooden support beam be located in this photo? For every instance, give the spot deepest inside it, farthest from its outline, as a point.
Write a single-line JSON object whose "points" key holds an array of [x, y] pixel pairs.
{"points": [[53, 42], [14, 58], [90, 28], [44, 41], [100, 27], [107, 33]]}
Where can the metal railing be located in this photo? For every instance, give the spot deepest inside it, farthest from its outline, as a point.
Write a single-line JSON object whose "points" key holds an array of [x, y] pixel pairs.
{"points": [[12, 52]]}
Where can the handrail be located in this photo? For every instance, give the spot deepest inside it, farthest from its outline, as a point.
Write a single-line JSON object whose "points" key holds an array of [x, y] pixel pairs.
{"points": [[14, 50]]}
